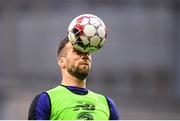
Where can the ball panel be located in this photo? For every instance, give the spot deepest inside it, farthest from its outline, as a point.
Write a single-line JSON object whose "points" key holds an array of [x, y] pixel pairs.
{"points": [[102, 42], [101, 31], [94, 41], [89, 30], [94, 21], [85, 40], [84, 21], [72, 38]]}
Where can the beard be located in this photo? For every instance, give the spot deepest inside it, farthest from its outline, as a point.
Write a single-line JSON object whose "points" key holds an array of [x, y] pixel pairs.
{"points": [[80, 71]]}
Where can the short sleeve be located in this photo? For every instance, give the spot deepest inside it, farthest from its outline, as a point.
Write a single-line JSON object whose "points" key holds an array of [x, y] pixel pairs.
{"points": [[40, 108], [114, 113]]}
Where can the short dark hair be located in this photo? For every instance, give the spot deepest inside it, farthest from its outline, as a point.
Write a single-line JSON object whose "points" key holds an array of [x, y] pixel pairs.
{"points": [[61, 46]]}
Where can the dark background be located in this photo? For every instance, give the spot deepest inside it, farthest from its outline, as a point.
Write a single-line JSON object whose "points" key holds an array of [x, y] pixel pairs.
{"points": [[139, 67]]}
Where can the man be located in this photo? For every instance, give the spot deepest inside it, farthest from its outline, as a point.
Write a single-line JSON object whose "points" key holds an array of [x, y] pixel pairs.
{"points": [[71, 100]]}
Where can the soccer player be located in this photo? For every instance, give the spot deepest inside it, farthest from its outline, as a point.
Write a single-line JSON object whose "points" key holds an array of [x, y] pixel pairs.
{"points": [[71, 100]]}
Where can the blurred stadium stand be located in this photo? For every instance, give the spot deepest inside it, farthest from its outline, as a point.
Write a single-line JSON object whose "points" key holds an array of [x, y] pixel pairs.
{"points": [[139, 67]]}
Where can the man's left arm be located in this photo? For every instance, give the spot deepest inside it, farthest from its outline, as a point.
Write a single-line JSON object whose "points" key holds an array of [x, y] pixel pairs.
{"points": [[114, 113]]}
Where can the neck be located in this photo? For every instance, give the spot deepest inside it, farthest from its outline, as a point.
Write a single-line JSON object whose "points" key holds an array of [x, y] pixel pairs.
{"points": [[69, 80]]}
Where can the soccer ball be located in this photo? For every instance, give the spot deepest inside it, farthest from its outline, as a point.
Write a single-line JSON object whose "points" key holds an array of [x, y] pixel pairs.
{"points": [[87, 33]]}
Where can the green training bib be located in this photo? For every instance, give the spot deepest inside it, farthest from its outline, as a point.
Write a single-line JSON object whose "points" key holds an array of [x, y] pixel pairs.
{"points": [[66, 105]]}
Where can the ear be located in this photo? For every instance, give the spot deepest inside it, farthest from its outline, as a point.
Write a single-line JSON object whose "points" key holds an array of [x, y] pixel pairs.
{"points": [[61, 62]]}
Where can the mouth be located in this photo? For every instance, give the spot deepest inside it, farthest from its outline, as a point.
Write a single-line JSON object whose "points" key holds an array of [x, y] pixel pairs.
{"points": [[84, 63]]}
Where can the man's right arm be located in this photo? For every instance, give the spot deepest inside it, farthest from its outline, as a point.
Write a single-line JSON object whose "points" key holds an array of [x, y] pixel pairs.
{"points": [[40, 108]]}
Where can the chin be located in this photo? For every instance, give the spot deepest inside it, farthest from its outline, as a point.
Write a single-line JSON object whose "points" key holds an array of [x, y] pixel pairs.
{"points": [[83, 70]]}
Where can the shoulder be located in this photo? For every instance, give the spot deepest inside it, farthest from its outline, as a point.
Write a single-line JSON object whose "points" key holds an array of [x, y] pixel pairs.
{"points": [[114, 113], [110, 101], [40, 107]]}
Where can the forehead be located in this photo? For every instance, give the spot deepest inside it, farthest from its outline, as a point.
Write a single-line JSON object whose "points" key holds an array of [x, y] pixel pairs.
{"points": [[69, 46]]}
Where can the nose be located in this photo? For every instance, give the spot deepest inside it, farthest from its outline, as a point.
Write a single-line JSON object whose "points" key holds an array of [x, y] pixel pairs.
{"points": [[85, 57]]}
